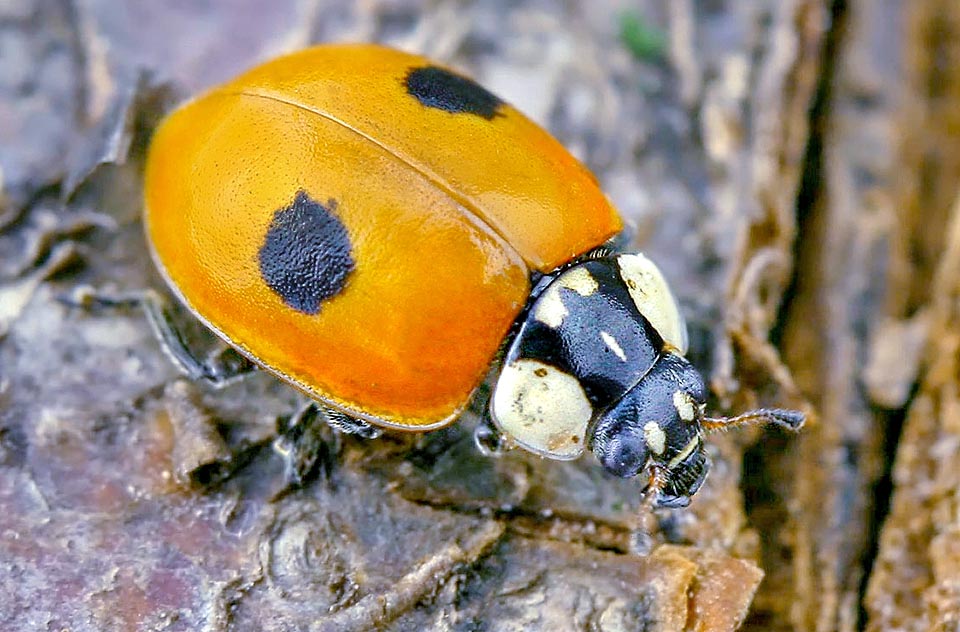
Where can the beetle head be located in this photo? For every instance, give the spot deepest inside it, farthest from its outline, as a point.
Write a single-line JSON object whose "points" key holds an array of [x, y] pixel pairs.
{"points": [[657, 423]]}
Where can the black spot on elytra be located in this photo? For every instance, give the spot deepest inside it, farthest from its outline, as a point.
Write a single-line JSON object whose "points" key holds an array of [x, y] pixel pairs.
{"points": [[441, 89], [305, 257]]}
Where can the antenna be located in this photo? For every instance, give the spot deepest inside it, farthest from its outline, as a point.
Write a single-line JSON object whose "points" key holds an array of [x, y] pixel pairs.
{"points": [[789, 419]]}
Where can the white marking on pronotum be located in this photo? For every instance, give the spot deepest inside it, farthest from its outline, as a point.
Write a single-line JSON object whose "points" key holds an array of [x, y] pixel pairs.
{"points": [[614, 346], [544, 409], [685, 452], [684, 405], [579, 280], [550, 309], [655, 437], [652, 296]]}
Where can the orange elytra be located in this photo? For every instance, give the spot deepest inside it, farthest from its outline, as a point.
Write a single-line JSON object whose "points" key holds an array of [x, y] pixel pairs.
{"points": [[364, 224]]}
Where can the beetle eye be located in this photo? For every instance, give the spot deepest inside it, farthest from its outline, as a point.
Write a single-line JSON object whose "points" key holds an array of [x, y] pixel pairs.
{"points": [[618, 441]]}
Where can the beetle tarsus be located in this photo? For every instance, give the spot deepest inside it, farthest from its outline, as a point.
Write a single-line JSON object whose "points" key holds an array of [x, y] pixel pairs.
{"points": [[489, 441], [652, 494], [346, 424], [226, 365], [222, 367], [641, 541]]}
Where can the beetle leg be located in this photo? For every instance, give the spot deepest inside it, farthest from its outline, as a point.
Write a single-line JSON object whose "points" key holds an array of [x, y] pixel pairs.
{"points": [[304, 448], [225, 364], [349, 425], [489, 440], [789, 419], [642, 538], [307, 444], [656, 482], [219, 369]]}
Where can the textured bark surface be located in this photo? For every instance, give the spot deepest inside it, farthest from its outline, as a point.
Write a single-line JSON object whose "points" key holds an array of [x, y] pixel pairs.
{"points": [[792, 165]]}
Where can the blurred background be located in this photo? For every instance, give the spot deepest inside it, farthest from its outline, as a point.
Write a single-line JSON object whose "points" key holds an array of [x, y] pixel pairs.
{"points": [[792, 165]]}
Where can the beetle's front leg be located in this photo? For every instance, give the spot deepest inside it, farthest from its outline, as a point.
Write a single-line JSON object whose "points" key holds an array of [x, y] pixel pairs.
{"points": [[641, 541], [489, 440]]}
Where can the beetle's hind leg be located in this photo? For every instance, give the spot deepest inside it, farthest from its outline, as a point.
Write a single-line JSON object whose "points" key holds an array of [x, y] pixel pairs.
{"points": [[221, 367]]}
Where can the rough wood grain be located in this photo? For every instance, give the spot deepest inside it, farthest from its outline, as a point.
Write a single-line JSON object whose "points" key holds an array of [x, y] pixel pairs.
{"points": [[793, 166]]}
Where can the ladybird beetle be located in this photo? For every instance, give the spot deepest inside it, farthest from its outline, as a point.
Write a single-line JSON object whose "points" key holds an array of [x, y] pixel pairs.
{"points": [[370, 226]]}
